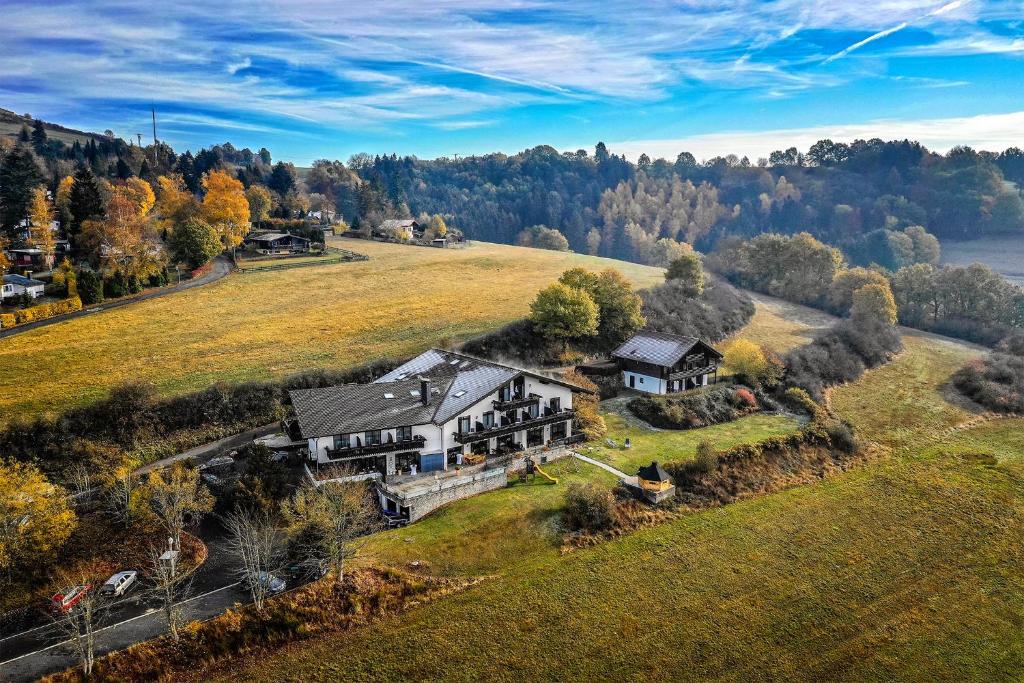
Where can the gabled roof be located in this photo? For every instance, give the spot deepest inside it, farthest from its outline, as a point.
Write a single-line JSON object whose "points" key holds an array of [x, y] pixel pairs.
{"points": [[274, 236], [351, 408], [457, 382], [653, 472], [393, 223], [657, 348], [23, 281]]}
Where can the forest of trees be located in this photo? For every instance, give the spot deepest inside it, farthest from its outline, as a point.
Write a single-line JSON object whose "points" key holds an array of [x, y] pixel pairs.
{"points": [[860, 197]]}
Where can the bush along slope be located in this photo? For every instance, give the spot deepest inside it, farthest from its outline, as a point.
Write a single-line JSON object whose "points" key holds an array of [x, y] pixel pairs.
{"points": [[695, 409], [131, 424], [841, 355], [997, 381], [317, 608]]}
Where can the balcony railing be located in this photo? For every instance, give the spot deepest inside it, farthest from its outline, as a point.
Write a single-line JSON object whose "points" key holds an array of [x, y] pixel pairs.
{"points": [[693, 372], [501, 430], [516, 402], [373, 449]]}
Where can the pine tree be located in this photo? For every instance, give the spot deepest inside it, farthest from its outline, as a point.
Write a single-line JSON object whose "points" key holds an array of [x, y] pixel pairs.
{"points": [[19, 175], [39, 136], [124, 172], [86, 201]]}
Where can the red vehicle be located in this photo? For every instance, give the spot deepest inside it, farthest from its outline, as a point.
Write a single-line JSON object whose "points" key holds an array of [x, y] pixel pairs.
{"points": [[65, 602]]}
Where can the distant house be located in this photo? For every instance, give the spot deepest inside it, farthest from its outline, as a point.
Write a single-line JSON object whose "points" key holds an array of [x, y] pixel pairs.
{"points": [[16, 285], [389, 227], [277, 243], [659, 363], [28, 258]]}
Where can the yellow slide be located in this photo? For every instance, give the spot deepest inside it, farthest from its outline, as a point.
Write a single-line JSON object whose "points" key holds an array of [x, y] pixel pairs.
{"points": [[553, 480]]}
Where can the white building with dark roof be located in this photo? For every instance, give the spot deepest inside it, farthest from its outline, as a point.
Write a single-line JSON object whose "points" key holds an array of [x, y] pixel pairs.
{"points": [[16, 285], [430, 413], [659, 363]]}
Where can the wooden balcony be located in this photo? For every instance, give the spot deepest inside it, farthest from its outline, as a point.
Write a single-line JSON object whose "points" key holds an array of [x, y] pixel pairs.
{"points": [[515, 403], [693, 372], [375, 449], [509, 428]]}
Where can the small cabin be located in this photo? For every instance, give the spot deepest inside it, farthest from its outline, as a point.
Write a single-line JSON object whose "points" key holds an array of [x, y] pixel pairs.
{"points": [[654, 484], [278, 243], [659, 363]]}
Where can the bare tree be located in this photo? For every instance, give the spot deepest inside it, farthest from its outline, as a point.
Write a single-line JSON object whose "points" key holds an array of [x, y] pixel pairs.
{"points": [[330, 524], [257, 544], [81, 621], [124, 495], [178, 498], [171, 588], [81, 481]]}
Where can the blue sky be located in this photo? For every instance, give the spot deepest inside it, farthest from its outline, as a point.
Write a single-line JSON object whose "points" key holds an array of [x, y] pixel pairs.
{"points": [[311, 79]]}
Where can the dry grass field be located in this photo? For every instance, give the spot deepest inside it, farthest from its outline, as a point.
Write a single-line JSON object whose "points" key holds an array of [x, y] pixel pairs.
{"points": [[265, 325], [780, 325], [1005, 255]]}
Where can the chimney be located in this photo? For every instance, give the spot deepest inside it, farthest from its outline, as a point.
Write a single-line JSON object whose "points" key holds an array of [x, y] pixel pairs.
{"points": [[425, 390]]}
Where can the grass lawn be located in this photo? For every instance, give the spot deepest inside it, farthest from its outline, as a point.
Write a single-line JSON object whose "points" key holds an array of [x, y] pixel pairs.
{"points": [[907, 401], [780, 325], [905, 569], [265, 325], [673, 445]]}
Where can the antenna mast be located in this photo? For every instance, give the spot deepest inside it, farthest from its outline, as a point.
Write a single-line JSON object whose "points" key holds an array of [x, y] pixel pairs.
{"points": [[153, 109]]}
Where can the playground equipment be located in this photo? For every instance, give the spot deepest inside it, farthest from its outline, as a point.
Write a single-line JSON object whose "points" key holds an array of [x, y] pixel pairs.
{"points": [[553, 480]]}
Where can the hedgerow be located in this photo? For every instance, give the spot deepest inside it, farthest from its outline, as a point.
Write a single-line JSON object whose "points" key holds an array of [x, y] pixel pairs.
{"points": [[840, 355], [40, 312], [696, 409]]}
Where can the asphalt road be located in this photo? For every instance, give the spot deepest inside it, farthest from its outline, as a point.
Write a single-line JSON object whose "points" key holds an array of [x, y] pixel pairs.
{"points": [[221, 267], [40, 648]]}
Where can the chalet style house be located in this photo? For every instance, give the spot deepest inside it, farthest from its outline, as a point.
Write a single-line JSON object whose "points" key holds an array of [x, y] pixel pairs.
{"points": [[430, 413], [659, 363], [277, 243]]}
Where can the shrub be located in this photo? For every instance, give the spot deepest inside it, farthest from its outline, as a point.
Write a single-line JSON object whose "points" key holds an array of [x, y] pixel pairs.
{"points": [[90, 287], [706, 459], [696, 409], [997, 382], [840, 434], [841, 355], [745, 398], [589, 507], [41, 312], [714, 315]]}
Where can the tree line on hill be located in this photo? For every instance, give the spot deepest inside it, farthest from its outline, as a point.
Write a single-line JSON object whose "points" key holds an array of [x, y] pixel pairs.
{"points": [[861, 197], [971, 302]]}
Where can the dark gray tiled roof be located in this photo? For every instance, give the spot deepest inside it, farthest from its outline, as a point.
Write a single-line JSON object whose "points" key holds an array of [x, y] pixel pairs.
{"points": [[655, 347], [351, 408], [457, 381], [273, 237], [22, 280]]}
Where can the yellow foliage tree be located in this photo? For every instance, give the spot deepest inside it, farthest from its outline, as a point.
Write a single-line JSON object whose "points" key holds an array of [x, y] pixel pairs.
{"points": [[438, 226], [139, 193], [35, 516], [124, 240], [261, 202], [4, 262], [174, 203], [874, 302], [63, 196], [750, 361], [40, 235], [225, 207]]}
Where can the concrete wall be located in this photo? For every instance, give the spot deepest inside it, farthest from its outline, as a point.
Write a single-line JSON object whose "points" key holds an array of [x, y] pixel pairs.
{"points": [[426, 500]]}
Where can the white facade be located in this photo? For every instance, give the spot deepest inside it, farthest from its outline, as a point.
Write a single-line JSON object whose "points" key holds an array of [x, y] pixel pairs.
{"points": [[11, 289], [647, 383]]}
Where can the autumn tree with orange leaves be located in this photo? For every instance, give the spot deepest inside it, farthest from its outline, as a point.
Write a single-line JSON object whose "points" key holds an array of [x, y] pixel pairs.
{"points": [[225, 207]]}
